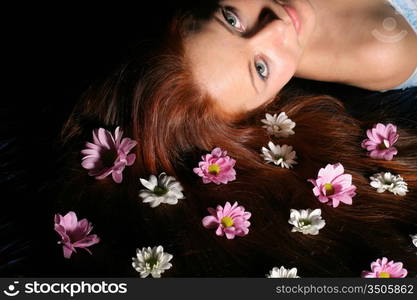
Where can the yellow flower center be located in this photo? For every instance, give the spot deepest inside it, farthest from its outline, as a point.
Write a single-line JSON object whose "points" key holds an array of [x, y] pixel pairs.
{"points": [[384, 275], [329, 189], [227, 221], [214, 169]]}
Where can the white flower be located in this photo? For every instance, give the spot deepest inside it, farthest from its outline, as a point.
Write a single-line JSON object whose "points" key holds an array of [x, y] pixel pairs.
{"points": [[387, 181], [280, 126], [282, 273], [165, 189], [306, 221], [414, 239], [280, 155], [152, 261]]}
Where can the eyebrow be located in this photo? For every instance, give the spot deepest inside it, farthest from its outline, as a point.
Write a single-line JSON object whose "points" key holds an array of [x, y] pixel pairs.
{"points": [[249, 63]]}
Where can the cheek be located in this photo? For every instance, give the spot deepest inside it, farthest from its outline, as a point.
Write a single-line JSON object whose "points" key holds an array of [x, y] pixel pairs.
{"points": [[284, 69], [255, 102], [286, 64]]}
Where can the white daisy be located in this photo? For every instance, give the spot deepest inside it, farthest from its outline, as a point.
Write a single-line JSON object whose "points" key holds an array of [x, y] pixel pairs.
{"points": [[414, 239], [164, 189], [280, 155], [153, 261], [282, 273], [280, 126], [306, 221], [387, 181]]}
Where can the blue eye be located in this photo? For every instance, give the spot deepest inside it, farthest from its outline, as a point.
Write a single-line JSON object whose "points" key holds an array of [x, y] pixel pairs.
{"points": [[262, 69], [232, 19]]}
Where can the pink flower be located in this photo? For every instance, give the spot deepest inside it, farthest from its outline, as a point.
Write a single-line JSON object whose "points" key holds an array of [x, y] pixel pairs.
{"points": [[230, 220], [216, 167], [380, 141], [74, 234], [333, 185], [108, 155], [385, 269]]}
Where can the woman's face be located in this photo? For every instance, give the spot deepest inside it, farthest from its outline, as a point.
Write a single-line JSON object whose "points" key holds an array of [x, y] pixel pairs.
{"points": [[249, 50]]}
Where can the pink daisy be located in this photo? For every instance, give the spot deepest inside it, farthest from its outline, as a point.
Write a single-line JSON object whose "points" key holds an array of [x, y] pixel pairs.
{"points": [[382, 268], [108, 155], [74, 234], [216, 167], [380, 141], [333, 185], [230, 220]]}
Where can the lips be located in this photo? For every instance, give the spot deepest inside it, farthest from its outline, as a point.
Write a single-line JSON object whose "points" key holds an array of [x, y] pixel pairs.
{"points": [[292, 13]]}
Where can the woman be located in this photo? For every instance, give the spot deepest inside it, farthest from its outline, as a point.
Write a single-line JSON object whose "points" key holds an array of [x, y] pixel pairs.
{"points": [[250, 49], [172, 121]]}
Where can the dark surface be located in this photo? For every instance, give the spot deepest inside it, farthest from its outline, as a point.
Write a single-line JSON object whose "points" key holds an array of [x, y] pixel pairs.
{"points": [[53, 54], [398, 106], [58, 55]]}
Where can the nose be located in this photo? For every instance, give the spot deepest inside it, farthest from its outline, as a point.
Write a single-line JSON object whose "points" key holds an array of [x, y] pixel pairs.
{"points": [[271, 35]]}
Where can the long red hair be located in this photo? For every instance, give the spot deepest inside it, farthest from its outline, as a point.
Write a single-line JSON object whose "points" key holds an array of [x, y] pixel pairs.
{"points": [[156, 102]]}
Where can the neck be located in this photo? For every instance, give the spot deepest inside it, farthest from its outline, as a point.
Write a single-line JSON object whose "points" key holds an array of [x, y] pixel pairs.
{"points": [[338, 25]]}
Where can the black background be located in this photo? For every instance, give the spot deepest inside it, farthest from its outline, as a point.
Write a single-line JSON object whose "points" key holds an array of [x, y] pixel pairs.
{"points": [[51, 54]]}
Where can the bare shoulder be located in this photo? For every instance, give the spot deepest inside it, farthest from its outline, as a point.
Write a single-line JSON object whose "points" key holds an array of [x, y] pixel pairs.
{"points": [[363, 43], [388, 55]]}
